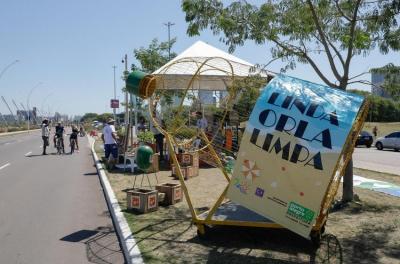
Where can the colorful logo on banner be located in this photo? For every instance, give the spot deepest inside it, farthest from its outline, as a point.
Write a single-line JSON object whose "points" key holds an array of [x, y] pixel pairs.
{"points": [[290, 148]]}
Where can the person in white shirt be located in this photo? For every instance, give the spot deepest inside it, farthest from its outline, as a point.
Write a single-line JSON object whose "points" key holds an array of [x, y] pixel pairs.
{"points": [[202, 122], [45, 135], [109, 138]]}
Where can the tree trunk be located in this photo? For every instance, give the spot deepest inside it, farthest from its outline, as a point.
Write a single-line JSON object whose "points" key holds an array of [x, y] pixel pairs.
{"points": [[347, 195]]}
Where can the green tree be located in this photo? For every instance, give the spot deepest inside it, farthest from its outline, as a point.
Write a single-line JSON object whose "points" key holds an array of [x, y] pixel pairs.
{"points": [[248, 90], [302, 31], [154, 56], [89, 117], [104, 117], [392, 79], [380, 109]]}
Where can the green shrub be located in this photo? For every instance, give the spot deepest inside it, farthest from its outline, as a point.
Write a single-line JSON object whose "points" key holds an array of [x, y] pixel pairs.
{"points": [[146, 136]]}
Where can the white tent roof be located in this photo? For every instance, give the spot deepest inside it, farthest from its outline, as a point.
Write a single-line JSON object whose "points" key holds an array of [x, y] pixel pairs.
{"points": [[215, 67]]}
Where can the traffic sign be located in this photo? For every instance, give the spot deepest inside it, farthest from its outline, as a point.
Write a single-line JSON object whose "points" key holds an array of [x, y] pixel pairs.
{"points": [[114, 103]]}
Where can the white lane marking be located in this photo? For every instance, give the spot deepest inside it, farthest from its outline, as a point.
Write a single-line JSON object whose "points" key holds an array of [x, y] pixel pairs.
{"points": [[8, 143], [29, 153], [5, 165]]}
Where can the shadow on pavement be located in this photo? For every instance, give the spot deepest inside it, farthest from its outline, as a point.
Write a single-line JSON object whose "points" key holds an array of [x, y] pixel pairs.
{"points": [[102, 245], [36, 155], [90, 174], [48, 154], [79, 236]]}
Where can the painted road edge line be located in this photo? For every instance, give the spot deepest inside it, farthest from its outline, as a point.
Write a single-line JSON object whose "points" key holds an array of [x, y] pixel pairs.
{"points": [[5, 165], [129, 245], [18, 132]]}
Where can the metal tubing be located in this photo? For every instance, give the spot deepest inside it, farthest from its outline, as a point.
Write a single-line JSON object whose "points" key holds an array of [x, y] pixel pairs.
{"points": [[180, 176]]}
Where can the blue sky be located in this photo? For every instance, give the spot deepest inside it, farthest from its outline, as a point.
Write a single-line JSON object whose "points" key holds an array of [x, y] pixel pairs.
{"points": [[71, 46]]}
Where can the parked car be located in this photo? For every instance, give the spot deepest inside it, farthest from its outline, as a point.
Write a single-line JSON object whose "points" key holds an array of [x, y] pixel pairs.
{"points": [[391, 141], [364, 138]]}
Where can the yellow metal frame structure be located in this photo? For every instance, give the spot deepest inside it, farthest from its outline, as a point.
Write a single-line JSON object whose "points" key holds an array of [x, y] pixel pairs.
{"points": [[201, 220]]}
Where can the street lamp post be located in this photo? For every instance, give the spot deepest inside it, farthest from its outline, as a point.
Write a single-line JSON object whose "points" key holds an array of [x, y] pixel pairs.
{"points": [[169, 25], [4, 70], [42, 104], [115, 94], [27, 102], [7, 67]]}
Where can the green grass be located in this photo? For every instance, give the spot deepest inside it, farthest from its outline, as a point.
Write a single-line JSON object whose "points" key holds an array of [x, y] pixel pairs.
{"points": [[383, 128]]}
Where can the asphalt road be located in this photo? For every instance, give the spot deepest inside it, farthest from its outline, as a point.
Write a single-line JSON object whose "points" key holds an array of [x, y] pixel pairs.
{"points": [[386, 160], [52, 208]]}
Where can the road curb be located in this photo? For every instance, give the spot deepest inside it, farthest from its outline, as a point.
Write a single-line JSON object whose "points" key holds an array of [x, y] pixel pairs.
{"points": [[129, 246]]}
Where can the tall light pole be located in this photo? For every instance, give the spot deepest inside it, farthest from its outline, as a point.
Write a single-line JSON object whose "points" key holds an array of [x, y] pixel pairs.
{"points": [[18, 111], [28, 99], [44, 100], [169, 25], [7, 67], [9, 108], [4, 70], [4, 120], [126, 117], [115, 94]]}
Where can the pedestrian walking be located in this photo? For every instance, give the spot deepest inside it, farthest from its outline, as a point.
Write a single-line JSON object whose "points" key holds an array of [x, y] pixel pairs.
{"points": [[141, 127], [158, 136], [45, 135], [201, 122], [375, 131], [109, 138]]}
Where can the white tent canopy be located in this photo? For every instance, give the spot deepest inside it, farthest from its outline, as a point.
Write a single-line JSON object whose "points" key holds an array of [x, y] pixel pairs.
{"points": [[216, 69]]}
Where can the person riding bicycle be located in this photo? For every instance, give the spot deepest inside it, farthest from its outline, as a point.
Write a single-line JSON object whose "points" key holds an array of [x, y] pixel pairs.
{"points": [[59, 134], [81, 131], [74, 136]]}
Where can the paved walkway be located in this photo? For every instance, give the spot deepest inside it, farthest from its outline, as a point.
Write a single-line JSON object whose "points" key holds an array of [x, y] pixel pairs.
{"points": [[377, 160], [52, 208]]}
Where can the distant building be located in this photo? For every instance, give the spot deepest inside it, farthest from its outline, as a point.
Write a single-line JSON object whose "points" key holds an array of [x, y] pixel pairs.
{"points": [[377, 80], [23, 115]]}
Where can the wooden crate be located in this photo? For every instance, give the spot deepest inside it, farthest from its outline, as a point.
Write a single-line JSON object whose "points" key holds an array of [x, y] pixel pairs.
{"points": [[142, 200], [155, 165], [187, 172], [207, 160], [173, 192], [195, 161], [188, 159]]}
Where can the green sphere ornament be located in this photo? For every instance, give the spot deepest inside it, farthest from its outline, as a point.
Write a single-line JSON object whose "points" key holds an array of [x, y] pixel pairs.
{"points": [[144, 156]]}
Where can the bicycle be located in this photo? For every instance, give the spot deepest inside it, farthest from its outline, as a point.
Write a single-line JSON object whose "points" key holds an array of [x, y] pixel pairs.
{"points": [[73, 143], [59, 145]]}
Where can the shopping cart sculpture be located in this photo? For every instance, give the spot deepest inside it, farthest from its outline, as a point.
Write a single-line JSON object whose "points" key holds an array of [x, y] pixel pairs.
{"points": [[294, 150]]}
